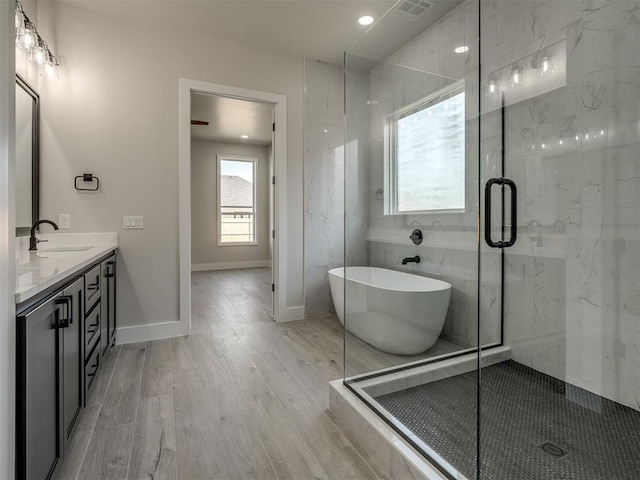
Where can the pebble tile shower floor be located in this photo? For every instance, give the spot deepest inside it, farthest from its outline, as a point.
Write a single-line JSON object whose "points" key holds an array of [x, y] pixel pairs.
{"points": [[533, 426]]}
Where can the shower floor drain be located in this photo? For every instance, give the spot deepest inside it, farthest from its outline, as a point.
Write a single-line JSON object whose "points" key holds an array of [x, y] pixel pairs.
{"points": [[553, 450]]}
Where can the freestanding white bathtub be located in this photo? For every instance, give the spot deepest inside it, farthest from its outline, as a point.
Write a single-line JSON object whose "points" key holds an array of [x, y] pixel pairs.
{"points": [[396, 312]]}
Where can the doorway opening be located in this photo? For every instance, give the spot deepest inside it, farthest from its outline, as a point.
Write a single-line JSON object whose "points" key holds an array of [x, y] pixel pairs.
{"points": [[232, 162]]}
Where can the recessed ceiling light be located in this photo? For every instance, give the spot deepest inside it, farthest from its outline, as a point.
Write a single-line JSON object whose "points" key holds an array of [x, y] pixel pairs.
{"points": [[461, 49], [245, 136], [365, 20]]}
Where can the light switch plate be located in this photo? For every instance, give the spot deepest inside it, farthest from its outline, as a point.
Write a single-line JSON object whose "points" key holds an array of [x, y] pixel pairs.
{"points": [[133, 222], [64, 221]]}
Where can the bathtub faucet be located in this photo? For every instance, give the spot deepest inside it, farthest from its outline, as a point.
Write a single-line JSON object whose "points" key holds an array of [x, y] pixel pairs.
{"points": [[415, 259]]}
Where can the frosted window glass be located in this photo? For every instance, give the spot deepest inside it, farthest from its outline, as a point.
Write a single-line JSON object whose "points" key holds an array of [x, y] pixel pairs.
{"points": [[429, 157]]}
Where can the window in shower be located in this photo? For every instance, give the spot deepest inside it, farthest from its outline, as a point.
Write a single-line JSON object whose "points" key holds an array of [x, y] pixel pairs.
{"points": [[425, 155]]}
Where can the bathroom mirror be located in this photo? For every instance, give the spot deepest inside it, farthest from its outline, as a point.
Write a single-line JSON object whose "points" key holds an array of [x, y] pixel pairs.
{"points": [[27, 156]]}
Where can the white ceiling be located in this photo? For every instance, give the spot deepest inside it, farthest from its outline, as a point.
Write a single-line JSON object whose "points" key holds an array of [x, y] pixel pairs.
{"points": [[230, 118], [318, 29]]}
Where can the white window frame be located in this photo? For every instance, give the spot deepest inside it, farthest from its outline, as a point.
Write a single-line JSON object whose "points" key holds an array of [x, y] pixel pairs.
{"points": [[237, 158], [390, 135]]}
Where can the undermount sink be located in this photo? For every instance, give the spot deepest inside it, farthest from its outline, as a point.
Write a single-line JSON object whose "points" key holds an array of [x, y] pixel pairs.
{"points": [[65, 249]]}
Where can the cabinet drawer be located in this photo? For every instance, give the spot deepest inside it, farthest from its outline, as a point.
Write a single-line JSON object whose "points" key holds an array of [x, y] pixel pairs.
{"points": [[91, 330], [90, 371], [91, 288]]}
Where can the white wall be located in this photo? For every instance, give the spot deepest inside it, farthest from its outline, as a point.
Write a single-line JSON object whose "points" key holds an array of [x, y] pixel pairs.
{"points": [[114, 113], [7, 240], [204, 197]]}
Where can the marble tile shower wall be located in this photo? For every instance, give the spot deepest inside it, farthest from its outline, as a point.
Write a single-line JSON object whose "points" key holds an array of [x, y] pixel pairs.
{"points": [[572, 282], [323, 182], [449, 250], [358, 190], [572, 285]]}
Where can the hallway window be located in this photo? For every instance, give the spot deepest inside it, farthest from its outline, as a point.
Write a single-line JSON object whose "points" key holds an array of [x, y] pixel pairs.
{"points": [[426, 150], [237, 200]]}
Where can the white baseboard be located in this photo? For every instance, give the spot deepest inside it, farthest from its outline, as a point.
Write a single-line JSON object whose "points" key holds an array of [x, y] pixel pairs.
{"points": [[153, 331], [203, 267], [291, 313]]}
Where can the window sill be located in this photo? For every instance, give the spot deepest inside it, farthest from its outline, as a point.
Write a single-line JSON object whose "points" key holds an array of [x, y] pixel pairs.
{"points": [[238, 244]]}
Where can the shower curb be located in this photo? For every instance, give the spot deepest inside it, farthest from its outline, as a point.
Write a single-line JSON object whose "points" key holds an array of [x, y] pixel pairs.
{"points": [[389, 454]]}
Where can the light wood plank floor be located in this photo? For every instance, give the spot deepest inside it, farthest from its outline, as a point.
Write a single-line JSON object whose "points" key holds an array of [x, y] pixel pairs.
{"points": [[242, 397]]}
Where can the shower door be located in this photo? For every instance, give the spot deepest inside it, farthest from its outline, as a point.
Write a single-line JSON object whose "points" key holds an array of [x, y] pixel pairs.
{"points": [[559, 119], [412, 162]]}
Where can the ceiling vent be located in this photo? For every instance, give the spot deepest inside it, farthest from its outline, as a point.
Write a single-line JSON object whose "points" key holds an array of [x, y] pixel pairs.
{"points": [[412, 9]]}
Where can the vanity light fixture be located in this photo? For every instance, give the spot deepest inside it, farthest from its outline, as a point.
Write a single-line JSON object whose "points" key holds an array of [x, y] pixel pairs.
{"points": [[461, 49], [365, 20], [517, 75], [244, 137], [28, 38]]}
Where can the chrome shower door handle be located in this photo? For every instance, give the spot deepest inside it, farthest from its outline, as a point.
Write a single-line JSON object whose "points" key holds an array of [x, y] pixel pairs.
{"points": [[487, 212]]}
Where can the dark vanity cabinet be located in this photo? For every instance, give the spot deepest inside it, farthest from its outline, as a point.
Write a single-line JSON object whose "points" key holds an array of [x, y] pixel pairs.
{"points": [[59, 351]]}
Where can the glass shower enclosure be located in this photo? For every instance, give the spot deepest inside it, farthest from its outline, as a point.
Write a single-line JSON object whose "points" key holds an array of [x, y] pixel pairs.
{"points": [[493, 147]]}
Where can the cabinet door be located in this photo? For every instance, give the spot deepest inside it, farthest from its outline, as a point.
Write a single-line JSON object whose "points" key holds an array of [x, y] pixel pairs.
{"points": [[104, 308], [108, 303], [72, 358], [39, 445], [111, 275]]}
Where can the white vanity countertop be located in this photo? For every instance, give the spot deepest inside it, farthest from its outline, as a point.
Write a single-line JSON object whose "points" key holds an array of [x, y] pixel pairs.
{"points": [[60, 257]]}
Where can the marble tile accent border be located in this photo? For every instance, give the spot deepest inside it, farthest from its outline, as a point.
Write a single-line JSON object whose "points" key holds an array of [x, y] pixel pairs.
{"points": [[432, 372], [390, 455]]}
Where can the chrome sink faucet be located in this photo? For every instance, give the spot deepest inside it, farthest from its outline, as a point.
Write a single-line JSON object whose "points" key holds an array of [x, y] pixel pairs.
{"points": [[33, 241]]}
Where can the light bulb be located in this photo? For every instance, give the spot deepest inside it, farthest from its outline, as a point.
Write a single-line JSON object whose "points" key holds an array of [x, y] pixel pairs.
{"points": [[39, 54], [50, 68], [28, 38], [546, 65], [542, 63], [493, 85], [517, 77]]}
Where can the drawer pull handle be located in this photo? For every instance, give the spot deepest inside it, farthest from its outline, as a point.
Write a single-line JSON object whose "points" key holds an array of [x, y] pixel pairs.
{"points": [[93, 286], [92, 328]]}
